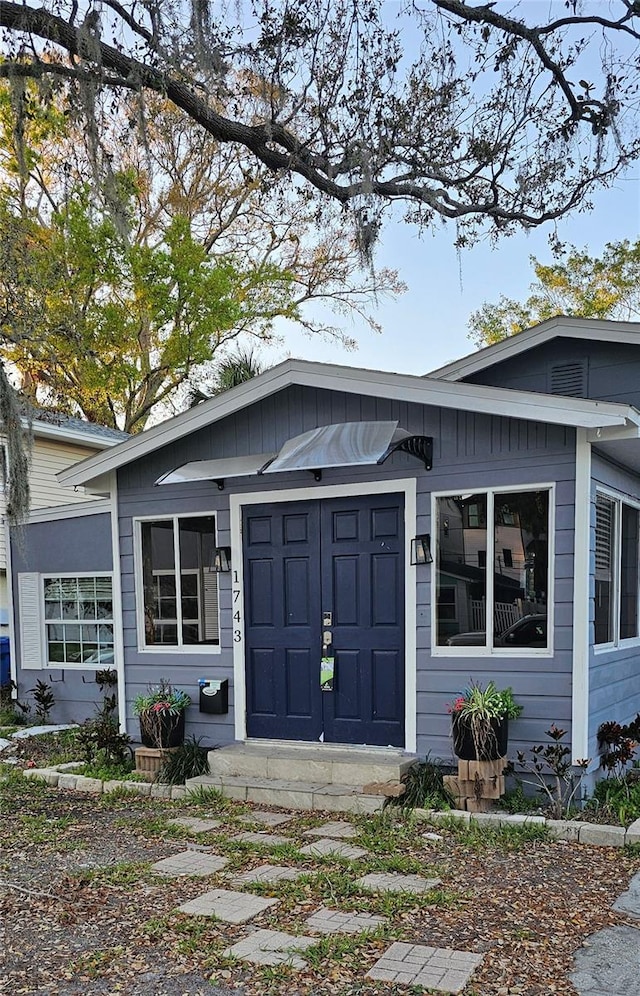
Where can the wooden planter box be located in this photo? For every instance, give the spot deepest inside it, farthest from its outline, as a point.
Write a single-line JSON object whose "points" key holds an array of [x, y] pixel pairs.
{"points": [[149, 760]]}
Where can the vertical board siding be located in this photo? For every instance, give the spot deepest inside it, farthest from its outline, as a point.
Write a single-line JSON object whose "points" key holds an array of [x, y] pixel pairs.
{"points": [[612, 369], [614, 675], [470, 451]]}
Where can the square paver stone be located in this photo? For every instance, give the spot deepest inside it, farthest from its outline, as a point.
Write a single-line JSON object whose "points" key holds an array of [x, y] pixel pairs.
{"points": [[189, 863], [339, 829], [232, 907], [327, 921], [394, 882], [194, 823], [267, 819], [442, 969], [255, 837], [268, 873], [271, 947], [321, 848]]}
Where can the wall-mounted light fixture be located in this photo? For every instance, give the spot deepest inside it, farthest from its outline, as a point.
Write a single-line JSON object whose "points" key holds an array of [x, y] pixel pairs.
{"points": [[221, 560], [421, 549]]}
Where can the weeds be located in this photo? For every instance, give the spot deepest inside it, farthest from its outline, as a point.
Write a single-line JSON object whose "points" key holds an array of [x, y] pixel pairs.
{"points": [[424, 787]]}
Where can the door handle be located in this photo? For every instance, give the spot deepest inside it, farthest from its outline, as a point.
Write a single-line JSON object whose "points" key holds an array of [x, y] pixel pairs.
{"points": [[327, 638]]}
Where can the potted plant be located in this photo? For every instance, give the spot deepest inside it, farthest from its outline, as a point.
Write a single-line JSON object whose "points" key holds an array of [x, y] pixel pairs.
{"points": [[161, 713], [480, 722]]}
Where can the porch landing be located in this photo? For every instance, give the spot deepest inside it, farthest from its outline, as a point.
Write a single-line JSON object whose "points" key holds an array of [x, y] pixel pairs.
{"points": [[308, 776]]}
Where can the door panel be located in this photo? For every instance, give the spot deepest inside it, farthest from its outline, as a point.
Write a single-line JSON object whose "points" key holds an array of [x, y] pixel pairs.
{"points": [[304, 560]]}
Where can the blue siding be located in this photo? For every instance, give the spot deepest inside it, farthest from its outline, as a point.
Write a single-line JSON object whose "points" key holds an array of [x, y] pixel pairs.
{"points": [[614, 675], [612, 369], [82, 544], [470, 451]]}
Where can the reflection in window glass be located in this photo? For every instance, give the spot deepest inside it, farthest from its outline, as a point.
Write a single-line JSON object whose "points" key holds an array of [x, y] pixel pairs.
{"points": [[78, 616], [521, 581], [461, 576], [515, 550], [180, 603]]}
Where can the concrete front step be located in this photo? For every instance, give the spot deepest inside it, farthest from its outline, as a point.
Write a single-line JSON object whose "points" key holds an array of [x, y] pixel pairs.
{"points": [[310, 763], [290, 794]]}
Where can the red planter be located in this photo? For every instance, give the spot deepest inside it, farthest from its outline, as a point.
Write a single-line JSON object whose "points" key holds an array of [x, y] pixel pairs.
{"points": [[488, 748]]}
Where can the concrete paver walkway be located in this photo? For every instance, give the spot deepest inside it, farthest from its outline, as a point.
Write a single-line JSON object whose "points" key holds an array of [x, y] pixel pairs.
{"points": [[418, 965], [268, 873], [232, 907], [271, 947], [189, 863], [394, 882], [323, 847], [609, 963], [327, 921], [194, 823]]}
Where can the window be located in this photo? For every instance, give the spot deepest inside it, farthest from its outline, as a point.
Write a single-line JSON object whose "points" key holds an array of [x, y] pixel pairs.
{"points": [[617, 579], [78, 619], [494, 551], [179, 585]]}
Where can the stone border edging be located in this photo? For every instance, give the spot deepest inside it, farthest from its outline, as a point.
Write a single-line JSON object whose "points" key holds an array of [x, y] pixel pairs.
{"points": [[61, 776], [573, 831]]}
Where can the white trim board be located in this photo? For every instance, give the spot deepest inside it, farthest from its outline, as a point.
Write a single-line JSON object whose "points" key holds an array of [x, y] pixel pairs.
{"points": [[405, 486], [76, 511], [408, 388], [554, 328], [581, 578]]}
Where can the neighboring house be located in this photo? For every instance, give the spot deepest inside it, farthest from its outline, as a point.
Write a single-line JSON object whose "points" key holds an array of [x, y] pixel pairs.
{"points": [[58, 442], [528, 500]]}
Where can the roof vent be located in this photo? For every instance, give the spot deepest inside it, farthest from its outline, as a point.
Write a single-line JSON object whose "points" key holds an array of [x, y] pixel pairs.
{"points": [[569, 379]]}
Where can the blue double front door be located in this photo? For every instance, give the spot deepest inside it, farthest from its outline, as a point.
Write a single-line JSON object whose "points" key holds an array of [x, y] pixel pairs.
{"points": [[324, 591]]}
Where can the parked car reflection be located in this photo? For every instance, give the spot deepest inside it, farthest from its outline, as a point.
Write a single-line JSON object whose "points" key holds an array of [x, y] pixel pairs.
{"points": [[530, 631]]}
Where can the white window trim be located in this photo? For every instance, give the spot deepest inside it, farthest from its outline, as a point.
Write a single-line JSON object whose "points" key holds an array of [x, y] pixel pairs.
{"points": [[488, 650], [180, 649], [632, 641], [80, 665]]}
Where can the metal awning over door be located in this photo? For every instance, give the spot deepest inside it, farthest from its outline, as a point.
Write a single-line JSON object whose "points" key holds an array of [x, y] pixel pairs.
{"points": [[345, 444]]}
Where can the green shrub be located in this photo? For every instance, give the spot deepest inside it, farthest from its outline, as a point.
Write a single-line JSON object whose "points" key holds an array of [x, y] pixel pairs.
{"points": [[424, 787], [617, 799], [186, 761]]}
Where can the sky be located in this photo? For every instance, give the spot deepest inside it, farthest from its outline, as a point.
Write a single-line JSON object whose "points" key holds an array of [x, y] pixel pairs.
{"points": [[427, 326]]}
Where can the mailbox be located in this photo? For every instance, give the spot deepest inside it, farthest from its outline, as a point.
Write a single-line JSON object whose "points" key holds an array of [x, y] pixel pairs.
{"points": [[214, 695]]}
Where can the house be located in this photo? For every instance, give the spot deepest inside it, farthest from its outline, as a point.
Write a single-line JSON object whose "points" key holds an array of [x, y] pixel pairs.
{"points": [[281, 535], [57, 441]]}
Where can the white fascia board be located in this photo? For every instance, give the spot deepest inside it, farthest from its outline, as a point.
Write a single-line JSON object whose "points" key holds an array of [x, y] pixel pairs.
{"points": [[75, 511], [527, 405], [554, 328]]}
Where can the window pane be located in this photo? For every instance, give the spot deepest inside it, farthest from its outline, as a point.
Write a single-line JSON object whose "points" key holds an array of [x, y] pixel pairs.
{"points": [[159, 581], [461, 577], [199, 594], [605, 533], [629, 574], [521, 579]]}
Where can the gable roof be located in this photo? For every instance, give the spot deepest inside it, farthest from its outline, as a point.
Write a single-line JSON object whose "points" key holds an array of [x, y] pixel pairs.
{"points": [[554, 328], [354, 380], [52, 425]]}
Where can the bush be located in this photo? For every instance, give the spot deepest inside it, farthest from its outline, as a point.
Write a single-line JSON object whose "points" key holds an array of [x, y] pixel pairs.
{"points": [[424, 787], [186, 761], [617, 799]]}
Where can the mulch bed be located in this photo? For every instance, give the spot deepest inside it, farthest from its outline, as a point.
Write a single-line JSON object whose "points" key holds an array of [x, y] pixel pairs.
{"points": [[70, 932]]}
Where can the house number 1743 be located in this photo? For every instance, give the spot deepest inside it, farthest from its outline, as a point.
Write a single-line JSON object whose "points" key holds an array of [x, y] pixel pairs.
{"points": [[237, 618]]}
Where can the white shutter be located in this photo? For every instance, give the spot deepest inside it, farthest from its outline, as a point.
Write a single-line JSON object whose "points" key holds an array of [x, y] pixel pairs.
{"points": [[211, 620], [31, 636], [604, 537]]}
